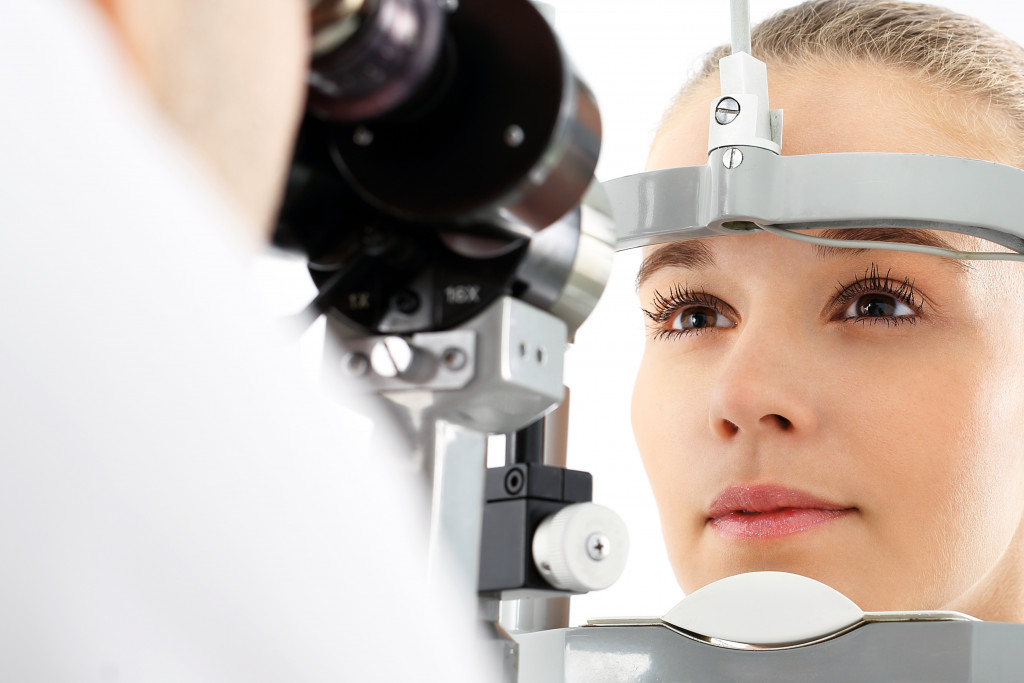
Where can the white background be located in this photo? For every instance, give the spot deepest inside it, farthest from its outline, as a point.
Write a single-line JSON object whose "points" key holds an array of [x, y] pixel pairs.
{"points": [[634, 56]]}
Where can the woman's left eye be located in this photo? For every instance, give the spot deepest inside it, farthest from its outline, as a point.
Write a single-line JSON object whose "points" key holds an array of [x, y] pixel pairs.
{"points": [[877, 306]]}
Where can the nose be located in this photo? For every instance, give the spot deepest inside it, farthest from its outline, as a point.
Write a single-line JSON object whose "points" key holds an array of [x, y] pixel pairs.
{"points": [[763, 387]]}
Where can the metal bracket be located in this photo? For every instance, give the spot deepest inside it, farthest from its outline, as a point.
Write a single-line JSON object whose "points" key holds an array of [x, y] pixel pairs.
{"points": [[446, 361], [494, 388], [819, 191]]}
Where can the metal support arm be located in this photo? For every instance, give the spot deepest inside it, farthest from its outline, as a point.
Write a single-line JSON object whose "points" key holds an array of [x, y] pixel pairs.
{"points": [[818, 191]]}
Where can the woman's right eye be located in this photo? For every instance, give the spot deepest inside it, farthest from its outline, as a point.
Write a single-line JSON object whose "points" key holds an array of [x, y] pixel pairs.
{"points": [[684, 311], [696, 318], [693, 319]]}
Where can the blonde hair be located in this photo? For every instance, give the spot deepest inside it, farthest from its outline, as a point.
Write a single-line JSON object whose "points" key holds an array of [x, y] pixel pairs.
{"points": [[952, 52]]}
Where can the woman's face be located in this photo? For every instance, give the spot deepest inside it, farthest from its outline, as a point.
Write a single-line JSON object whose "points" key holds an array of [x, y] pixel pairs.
{"points": [[853, 416]]}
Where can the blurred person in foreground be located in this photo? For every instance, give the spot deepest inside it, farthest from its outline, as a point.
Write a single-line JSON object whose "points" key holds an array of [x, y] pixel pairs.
{"points": [[175, 504]]}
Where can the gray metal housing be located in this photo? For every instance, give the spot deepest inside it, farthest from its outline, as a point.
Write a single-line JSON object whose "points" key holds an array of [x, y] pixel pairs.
{"points": [[924, 652]]}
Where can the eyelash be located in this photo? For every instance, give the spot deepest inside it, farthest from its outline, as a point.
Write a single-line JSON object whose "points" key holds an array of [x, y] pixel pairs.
{"points": [[666, 307], [873, 282], [679, 298]]}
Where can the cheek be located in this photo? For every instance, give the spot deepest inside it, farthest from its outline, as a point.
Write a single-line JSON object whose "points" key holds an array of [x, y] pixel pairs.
{"points": [[661, 414], [270, 63], [939, 466], [974, 469], [257, 96], [287, 30], [667, 417], [909, 419], [990, 466]]}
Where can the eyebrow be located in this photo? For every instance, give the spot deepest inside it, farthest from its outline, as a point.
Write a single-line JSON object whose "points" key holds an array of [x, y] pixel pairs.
{"points": [[691, 254], [927, 238], [695, 255]]}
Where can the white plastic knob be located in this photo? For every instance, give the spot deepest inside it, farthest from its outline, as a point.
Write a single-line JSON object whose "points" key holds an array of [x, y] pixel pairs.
{"points": [[582, 547]]}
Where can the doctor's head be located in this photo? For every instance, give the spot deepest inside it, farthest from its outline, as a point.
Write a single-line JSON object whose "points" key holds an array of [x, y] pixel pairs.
{"points": [[856, 416], [230, 77]]}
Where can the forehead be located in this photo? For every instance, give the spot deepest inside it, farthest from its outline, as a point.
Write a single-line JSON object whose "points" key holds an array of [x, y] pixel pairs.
{"points": [[856, 107], [702, 255]]}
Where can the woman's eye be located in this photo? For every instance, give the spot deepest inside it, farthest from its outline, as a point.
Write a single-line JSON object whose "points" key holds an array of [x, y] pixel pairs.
{"points": [[700, 318], [877, 306]]}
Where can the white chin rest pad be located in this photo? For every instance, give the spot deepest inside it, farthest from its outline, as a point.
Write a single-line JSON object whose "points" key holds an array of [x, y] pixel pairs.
{"points": [[765, 609]]}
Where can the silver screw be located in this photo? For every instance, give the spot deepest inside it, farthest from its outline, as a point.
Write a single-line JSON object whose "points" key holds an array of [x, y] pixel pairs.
{"points": [[450, 5], [392, 357], [454, 359], [598, 546], [356, 364], [727, 111], [362, 136], [514, 136], [733, 158]]}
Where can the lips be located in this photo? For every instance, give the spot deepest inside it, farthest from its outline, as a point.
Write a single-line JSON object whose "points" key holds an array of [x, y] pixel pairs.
{"points": [[770, 511]]}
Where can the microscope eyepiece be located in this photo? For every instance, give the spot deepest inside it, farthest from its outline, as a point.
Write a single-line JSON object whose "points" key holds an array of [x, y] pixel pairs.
{"points": [[370, 57], [458, 131]]}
